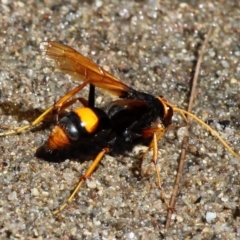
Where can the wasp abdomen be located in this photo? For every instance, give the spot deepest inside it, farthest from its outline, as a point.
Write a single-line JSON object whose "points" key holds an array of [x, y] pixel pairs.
{"points": [[76, 126]]}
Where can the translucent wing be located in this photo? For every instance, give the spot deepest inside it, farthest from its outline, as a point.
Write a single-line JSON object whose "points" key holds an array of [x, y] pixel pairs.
{"points": [[81, 68]]}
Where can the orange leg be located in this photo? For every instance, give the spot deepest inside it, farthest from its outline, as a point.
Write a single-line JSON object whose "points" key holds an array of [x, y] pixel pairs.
{"points": [[58, 106], [83, 179], [157, 133], [56, 111], [83, 101]]}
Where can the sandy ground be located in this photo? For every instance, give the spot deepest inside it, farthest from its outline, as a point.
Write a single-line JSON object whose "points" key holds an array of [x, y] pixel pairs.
{"points": [[153, 46]]}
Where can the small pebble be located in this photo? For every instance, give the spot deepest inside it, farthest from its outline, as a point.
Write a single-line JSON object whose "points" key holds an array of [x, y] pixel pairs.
{"points": [[210, 216], [12, 196]]}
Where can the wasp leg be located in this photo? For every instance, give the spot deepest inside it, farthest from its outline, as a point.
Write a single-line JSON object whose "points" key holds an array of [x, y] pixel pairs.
{"points": [[83, 101], [157, 134], [62, 104], [58, 106], [83, 179], [57, 111]]}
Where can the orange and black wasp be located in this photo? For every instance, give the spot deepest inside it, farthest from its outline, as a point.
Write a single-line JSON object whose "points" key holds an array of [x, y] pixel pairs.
{"points": [[134, 115]]}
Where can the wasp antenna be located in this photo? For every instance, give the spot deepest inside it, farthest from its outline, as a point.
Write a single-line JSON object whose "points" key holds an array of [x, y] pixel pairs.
{"points": [[213, 132]]}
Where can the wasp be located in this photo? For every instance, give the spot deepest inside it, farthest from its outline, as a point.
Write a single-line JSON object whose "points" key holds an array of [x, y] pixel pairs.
{"points": [[134, 115]]}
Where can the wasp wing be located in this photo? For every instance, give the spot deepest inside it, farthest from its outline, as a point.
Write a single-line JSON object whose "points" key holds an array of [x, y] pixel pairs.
{"points": [[81, 68]]}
